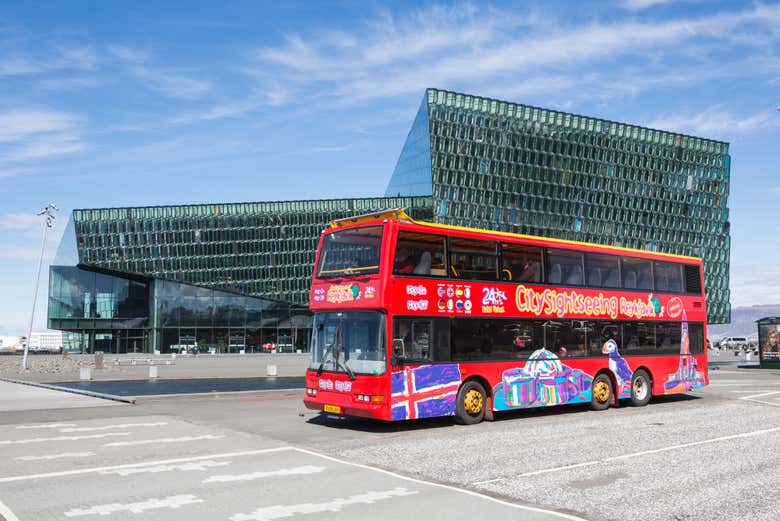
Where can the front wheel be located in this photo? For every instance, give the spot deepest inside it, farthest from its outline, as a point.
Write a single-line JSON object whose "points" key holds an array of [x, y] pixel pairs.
{"points": [[472, 399], [601, 392], [640, 389]]}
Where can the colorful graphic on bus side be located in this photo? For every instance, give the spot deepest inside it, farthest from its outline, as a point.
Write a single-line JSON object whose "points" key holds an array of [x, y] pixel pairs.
{"points": [[425, 392], [687, 377], [543, 380]]}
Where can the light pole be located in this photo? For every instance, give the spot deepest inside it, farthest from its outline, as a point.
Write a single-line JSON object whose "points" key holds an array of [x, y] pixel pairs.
{"points": [[48, 223]]}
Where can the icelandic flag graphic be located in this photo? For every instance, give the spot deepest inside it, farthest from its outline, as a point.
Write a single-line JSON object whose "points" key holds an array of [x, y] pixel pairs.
{"points": [[425, 391]]}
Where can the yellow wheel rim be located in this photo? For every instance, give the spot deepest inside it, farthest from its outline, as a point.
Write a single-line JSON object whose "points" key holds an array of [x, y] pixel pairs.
{"points": [[601, 392], [473, 402]]}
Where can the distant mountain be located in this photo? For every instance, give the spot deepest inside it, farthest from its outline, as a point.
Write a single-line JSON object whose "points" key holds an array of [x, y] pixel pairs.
{"points": [[743, 321]]}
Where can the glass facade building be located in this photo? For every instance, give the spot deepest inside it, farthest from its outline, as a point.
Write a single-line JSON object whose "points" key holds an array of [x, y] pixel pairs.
{"points": [[226, 277], [231, 275], [517, 168]]}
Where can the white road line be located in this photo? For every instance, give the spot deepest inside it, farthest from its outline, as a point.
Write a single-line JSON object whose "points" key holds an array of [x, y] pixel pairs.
{"points": [[334, 505], [6, 513], [46, 426], [192, 465], [743, 391], [165, 440], [569, 517], [636, 454], [542, 471], [62, 438], [110, 427], [135, 508], [294, 471], [752, 398], [75, 472], [55, 456]]}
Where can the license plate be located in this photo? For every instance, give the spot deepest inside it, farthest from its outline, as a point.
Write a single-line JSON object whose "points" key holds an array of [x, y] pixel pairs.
{"points": [[332, 408]]}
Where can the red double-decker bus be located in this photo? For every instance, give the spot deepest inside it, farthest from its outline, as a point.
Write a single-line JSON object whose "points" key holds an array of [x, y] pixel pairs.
{"points": [[416, 320]]}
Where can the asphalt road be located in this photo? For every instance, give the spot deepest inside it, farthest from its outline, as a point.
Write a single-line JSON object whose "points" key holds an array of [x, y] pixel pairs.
{"points": [[156, 467], [708, 455]]}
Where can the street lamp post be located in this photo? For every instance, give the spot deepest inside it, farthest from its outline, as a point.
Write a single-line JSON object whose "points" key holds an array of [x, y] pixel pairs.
{"points": [[48, 223]]}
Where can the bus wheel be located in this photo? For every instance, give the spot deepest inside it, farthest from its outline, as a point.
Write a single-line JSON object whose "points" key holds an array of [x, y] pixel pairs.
{"points": [[472, 399], [601, 392], [640, 389]]}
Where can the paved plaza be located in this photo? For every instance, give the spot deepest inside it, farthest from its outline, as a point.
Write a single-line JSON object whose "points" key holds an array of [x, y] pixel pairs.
{"points": [[706, 455]]}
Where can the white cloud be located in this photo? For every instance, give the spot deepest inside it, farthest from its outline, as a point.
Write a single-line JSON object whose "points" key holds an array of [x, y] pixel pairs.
{"points": [[639, 5], [171, 84], [19, 253], [18, 125], [47, 59], [321, 149], [34, 134], [716, 122], [19, 221], [488, 49], [754, 284]]}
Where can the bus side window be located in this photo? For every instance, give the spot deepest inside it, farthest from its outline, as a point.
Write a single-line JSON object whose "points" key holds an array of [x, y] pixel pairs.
{"points": [[412, 338], [520, 263], [419, 254]]}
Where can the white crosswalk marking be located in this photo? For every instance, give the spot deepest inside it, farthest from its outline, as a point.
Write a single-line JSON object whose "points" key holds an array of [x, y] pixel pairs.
{"points": [[335, 505], [63, 438], [295, 471], [46, 426], [55, 456], [111, 427], [165, 440], [135, 508], [200, 465]]}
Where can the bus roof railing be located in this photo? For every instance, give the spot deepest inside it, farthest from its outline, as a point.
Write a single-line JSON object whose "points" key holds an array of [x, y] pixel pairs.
{"points": [[398, 214]]}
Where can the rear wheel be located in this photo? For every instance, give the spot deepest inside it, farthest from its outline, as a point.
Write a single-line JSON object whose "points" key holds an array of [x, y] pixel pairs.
{"points": [[640, 388], [472, 400], [601, 392]]}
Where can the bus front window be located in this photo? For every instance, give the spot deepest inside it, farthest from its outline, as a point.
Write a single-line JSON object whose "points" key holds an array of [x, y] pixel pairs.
{"points": [[349, 342], [354, 251]]}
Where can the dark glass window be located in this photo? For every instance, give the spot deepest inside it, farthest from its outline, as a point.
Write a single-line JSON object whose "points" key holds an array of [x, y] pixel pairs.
{"points": [[668, 277], [353, 251], [412, 338], [667, 337], [473, 260], [419, 254], [636, 273], [520, 263], [602, 271], [475, 339], [692, 279], [564, 267], [696, 336], [599, 332], [566, 338], [639, 338]]}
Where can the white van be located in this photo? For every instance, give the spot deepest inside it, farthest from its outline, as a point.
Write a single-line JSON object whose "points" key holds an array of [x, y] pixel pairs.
{"points": [[734, 342]]}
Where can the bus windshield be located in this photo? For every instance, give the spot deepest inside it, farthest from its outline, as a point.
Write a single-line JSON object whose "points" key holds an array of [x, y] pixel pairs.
{"points": [[349, 342], [354, 251]]}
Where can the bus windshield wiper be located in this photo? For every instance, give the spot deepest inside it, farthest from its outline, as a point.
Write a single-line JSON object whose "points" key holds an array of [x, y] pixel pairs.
{"points": [[322, 362], [337, 353]]}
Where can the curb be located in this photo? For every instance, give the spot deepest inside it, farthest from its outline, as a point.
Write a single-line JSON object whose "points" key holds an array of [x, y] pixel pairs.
{"points": [[124, 399]]}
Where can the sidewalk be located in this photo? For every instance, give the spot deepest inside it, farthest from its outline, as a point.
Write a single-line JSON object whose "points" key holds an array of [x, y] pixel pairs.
{"points": [[200, 366], [20, 397]]}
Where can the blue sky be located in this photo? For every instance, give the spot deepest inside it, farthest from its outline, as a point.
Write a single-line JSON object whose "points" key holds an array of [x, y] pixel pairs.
{"points": [[122, 104]]}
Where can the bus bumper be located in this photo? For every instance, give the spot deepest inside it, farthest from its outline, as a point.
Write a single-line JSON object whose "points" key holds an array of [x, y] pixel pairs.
{"points": [[331, 403]]}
